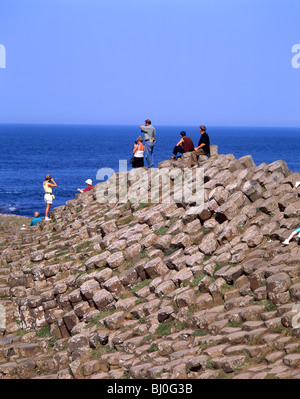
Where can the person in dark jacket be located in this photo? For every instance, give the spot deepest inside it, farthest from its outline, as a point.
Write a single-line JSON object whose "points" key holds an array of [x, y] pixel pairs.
{"points": [[202, 149]]}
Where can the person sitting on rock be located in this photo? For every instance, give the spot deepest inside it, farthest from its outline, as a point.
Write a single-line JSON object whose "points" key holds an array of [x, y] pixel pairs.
{"points": [[36, 219], [89, 184], [202, 149], [184, 145], [287, 241]]}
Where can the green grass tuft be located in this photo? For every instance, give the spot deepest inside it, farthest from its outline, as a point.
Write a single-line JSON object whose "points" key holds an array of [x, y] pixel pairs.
{"points": [[161, 231], [82, 246], [141, 285], [44, 332]]}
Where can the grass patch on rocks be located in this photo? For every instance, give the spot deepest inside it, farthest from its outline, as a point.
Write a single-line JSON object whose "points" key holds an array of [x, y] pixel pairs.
{"points": [[198, 333], [44, 332], [161, 231], [144, 254], [218, 267], [170, 251], [153, 348], [141, 285], [83, 246], [170, 327], [269, 306], [98, 317]]}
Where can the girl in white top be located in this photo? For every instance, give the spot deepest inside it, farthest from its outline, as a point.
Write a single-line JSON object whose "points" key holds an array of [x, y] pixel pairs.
{"points": [[48, 197], [138, 150]]}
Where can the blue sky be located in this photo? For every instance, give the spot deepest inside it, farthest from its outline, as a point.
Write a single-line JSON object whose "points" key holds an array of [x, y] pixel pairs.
{"points": [[213, 62]]}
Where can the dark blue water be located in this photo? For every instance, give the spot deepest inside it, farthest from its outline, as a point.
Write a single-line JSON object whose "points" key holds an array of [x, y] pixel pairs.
{"points": [[72, 154]]}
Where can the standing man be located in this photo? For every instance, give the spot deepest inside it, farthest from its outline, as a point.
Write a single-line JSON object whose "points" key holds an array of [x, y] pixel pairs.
{"points": [[202, 149], [149, 138]]}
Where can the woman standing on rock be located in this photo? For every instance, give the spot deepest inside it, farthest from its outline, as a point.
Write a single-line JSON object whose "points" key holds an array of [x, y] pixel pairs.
{"points": [[48, 197], [138, 150]]}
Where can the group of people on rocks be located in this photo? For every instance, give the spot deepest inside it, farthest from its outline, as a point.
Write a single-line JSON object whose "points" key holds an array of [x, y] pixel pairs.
{"points": [[185, 144], [48, 185], [141, 151]]}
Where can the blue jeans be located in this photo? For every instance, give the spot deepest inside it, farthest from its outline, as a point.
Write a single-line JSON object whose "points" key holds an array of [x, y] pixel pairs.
{"points": [[149, 153]]}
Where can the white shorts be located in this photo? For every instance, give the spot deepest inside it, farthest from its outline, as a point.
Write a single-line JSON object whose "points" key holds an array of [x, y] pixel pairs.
{"points": [[48, 198]]}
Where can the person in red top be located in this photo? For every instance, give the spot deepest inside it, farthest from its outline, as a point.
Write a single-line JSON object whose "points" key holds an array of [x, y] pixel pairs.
{"points": [[184, 145], [88, 188]]}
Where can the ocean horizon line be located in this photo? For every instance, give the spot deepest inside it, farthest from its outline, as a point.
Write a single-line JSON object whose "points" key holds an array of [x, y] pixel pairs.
{"points": [[136, 125]]}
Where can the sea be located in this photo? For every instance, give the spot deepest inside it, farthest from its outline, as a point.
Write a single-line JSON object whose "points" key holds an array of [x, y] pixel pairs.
{"points": [[73, 153]]}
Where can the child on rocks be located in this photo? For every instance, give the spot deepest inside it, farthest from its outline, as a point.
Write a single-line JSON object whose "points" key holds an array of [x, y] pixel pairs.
{"points": [[287, 241]]}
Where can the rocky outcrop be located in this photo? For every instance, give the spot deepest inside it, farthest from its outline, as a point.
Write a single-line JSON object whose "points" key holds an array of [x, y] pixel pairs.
{"points": [[158, 290]]}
